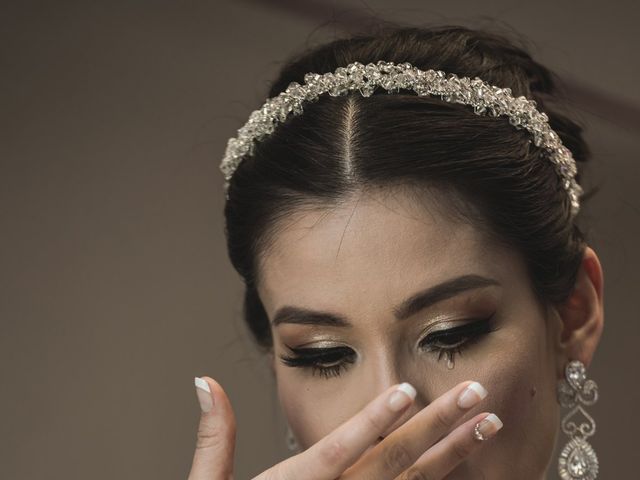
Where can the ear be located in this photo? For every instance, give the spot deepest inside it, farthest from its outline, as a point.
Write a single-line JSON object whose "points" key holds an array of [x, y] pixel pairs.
{"points": [[582, 314]]}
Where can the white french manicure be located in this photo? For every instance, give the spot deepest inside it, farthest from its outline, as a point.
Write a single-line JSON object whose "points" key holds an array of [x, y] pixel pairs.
{"points": [[204, 394], [487, 427], [471, 395], [402, 396]]}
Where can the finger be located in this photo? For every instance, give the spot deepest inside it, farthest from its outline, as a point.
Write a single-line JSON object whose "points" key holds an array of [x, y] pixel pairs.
{"points": [[402, 447], [215, 440], [445, 455], [333, 454]]}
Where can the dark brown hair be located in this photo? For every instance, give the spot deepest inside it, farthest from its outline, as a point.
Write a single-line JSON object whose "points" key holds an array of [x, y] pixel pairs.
{"points": [[507, 186]]}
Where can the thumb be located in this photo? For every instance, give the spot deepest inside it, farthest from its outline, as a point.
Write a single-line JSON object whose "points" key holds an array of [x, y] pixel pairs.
{"points": [[216, 438]]}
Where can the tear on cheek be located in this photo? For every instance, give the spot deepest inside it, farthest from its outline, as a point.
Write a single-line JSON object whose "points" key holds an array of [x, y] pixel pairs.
{"points": [[533, 391]]}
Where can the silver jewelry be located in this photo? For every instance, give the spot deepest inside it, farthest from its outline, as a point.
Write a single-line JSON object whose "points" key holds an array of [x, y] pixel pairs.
{"points": [[484, 98], [292, 443], [477, 433], [577, 460]]}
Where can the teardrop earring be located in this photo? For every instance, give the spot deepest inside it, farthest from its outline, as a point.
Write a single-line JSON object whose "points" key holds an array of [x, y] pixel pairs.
{"points": [[292, 443], [577, 460]]}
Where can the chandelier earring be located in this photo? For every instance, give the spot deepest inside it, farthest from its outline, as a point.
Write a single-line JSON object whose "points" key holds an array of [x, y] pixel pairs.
{"points": [[577, 460]]}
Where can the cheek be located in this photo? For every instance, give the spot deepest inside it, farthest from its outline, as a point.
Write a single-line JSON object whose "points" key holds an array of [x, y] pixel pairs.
{"points": [[294, 403], [521, 383], [522, 390], [309, 418]]}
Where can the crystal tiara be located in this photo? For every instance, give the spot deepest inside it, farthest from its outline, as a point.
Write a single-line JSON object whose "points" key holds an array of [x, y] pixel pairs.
{"points": [[486, 99]]}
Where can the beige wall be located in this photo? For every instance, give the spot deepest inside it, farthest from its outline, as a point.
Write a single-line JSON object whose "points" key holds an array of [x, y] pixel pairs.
{"points": [[116, 288]]}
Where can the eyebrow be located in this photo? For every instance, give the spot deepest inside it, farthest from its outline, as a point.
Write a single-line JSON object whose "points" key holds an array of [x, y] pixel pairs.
{"points": [[412, 305]]}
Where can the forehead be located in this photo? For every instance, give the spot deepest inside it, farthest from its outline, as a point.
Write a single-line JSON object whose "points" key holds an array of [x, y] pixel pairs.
{"points": [[370, 252]]}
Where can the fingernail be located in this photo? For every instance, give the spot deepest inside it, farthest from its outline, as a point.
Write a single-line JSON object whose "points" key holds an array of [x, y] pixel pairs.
{"points": [[487, 427], [402, 396], [204, 394], [471, 395]]}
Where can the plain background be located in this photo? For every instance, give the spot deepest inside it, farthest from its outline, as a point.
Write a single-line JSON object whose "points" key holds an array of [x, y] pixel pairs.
{"points": [[116, 287]]}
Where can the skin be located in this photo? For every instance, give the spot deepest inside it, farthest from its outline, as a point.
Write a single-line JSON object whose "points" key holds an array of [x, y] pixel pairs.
{"points": [[374, 250]]}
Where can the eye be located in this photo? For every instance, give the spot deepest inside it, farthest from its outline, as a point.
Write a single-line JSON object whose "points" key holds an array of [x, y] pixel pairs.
{"points": [[327, 362], [331, 362], [455, 340]]}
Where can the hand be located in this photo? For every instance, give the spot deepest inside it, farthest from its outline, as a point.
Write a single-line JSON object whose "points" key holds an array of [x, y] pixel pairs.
{"points": [[422, 447]]}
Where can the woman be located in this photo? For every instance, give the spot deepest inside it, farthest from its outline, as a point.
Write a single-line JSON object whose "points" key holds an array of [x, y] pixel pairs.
{"points": [[414, 269]]}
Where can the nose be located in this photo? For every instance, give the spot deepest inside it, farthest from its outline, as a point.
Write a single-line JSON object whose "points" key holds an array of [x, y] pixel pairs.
{"points": [[387, 371]]}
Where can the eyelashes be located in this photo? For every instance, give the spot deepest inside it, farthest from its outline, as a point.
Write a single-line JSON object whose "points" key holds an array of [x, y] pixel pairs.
{"points": [[331, 362], [327, 362], [453, 340]]}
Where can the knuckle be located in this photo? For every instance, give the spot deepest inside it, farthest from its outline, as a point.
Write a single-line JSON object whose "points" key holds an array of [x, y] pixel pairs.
{"points": [[414, 473], [442, 418], [461, 450], [334, 452], [207, 438], [215, 433], [396, 457], [373, 421], [277, 473]]}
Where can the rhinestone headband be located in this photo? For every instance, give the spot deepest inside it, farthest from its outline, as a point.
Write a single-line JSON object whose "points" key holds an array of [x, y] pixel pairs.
{"points": [[486, 99]]}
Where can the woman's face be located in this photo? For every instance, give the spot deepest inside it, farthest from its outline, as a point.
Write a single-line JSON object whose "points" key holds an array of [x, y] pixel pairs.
{"points": [[378, 282]]}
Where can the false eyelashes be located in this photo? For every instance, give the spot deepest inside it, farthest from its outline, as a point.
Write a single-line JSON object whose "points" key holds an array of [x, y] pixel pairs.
{"points": [[325, 361], [331, 362], [453, 340]]}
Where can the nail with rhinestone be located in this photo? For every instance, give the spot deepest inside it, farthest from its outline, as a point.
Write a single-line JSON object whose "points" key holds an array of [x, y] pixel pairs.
{"points": [[487, 427]]}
